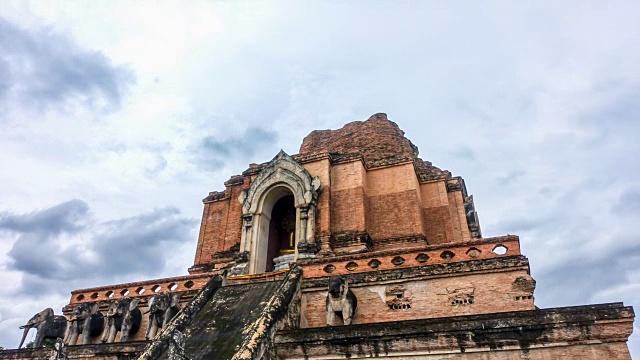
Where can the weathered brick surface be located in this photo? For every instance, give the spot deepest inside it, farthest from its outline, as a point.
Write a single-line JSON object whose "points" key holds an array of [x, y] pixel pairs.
{"points": [[233, 229], [581, 332], [214, 221], [412, 257], [394, 215], [379, 140], [373, 183], [443, 213], [348, 210], [221, 226], [141, 289], [117, 351], [429, 298], [391, 180], [438, 225]]}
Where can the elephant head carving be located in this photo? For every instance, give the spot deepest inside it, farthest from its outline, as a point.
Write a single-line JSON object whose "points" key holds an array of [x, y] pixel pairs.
{"points": [[162, 308], [85, 320], [47, 324], [341, 301], [123, 315]]}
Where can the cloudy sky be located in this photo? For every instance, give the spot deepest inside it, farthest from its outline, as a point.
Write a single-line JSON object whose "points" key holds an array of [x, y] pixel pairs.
{"points": [[116, 120]]}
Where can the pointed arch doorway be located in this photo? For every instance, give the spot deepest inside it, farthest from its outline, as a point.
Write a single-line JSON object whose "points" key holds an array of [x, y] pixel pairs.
{"points": [[278, 214], [280, 235]]}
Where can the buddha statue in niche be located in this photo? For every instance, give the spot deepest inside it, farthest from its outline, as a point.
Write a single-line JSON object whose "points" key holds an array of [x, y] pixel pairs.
{"points": [[282, 239], [289, 227]]}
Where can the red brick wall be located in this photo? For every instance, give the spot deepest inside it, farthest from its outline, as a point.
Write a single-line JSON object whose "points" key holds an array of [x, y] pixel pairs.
{"points": [[458, 216], [443, 213], [233, 229], [348, 197], [393, 201], [221, 225], [380, 194], [393, 215], [429, 298], [214, 222], [347, 210]]}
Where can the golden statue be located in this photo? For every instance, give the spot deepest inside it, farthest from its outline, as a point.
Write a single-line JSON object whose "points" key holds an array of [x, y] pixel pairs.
{"points": [[289, 225]]}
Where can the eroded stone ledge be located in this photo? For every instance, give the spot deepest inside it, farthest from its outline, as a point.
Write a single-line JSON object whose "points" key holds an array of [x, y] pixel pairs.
{"points": [[120, 351], [141, 288], [416, 256], [523, 331], [499, 264]]}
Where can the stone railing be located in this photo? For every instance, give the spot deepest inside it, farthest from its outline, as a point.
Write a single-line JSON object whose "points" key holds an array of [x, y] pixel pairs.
{"points": [[489, 248], [141, 288]]}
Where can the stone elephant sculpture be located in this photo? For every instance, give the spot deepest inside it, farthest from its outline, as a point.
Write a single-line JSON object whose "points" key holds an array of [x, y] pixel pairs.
{"points": [[86, 320], [341, 301], [48, 325], [162, 308], [124, 316]]}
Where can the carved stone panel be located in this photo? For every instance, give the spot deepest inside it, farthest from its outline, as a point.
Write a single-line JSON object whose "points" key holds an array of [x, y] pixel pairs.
{"points": [[398, 297]]}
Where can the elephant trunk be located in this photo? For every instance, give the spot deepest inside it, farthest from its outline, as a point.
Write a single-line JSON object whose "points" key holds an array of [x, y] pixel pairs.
{"points": [[24, 334]]}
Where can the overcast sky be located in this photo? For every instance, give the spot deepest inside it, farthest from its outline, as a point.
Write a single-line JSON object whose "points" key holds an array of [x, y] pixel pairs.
{"points": [[116, 119]]}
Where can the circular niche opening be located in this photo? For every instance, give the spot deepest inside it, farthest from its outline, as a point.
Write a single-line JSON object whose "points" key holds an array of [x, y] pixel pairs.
{"points": [[447, 255], [473, 252], [351, 266], [374, 263], [94, 295], [397, 261], [188, 284], [124, 292], [422, 258], [329, 269], [140, 290], [109, 294], [80, 297], [173, 286], [155, 288], [500, 249]]}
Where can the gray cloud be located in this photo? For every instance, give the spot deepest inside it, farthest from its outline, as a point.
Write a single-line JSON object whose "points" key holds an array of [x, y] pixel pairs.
{"points": [[510, 177], [68, 217], [213, 152], [55, 249], [44, 69], [143, 242], [576, 281], [160, 163], [464, 153], [628, 203]]}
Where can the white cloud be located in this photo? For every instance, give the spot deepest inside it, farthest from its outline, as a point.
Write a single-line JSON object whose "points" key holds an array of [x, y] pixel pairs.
{"points": [[533, 104]]}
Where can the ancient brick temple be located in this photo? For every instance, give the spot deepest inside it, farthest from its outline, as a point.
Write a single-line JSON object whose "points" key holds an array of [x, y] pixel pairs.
{"points": [[352, 248]]}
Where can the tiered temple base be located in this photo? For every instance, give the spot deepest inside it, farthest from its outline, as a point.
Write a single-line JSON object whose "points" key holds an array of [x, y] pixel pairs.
{"points": [[581, 332]]}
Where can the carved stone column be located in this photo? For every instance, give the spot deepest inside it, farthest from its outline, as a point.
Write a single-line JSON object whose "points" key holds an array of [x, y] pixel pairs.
{"points": [[304, 218]]}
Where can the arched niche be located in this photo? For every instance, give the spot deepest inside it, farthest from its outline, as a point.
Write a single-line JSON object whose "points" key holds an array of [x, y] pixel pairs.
{"points": [[282, 177]]}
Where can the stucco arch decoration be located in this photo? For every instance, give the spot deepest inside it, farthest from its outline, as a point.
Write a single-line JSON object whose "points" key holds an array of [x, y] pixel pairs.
{"points": [[281, 172]]}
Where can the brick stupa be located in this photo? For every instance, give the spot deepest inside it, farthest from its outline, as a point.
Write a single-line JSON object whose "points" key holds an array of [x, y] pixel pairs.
{"points": [[358, 208]]}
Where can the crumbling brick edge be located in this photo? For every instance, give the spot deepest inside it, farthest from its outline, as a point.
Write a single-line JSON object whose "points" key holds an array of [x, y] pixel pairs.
{"points": [[258, 338], [161, 342], [484, 332]]}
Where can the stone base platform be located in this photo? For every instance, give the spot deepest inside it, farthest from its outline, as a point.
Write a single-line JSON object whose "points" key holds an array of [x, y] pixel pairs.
{"points": [[114, 351], [581, 332]]}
